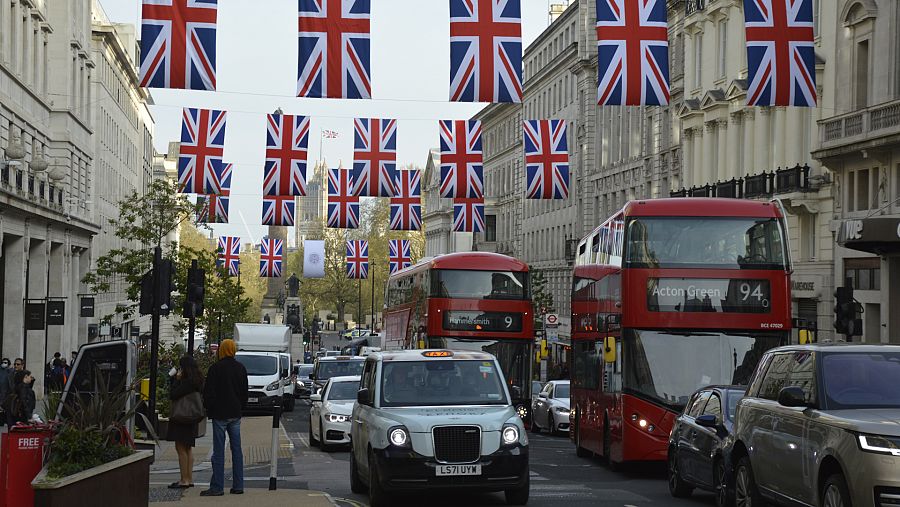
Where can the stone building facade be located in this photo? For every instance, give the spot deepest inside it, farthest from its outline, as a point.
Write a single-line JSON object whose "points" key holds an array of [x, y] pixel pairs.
{"points": [[437, 213], [763, 153], [858, 141]]}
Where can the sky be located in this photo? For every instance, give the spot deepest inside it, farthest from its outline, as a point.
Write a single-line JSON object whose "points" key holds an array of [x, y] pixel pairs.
{"points": [[257, 73]]}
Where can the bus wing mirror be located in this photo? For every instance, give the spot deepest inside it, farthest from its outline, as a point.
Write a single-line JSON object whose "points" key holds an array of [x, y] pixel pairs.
{"points": [[609, 349]]}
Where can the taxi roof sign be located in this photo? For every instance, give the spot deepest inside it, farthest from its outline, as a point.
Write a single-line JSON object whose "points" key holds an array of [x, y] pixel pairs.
{"points": [[437, 353]]}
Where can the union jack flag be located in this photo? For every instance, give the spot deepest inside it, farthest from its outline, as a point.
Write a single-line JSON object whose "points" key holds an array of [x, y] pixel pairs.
{"points": [[462, 173], [214, 208], [334, 49], [633, 49], [278, 210], [406, 207], [374, 157], [780, 53], [468, 215], [546, 159], [399, 254], [271, 254], [229, 254], [287, 140], [357, 259], [485, 51], [200, 157], [178, 44], [343, 206]]}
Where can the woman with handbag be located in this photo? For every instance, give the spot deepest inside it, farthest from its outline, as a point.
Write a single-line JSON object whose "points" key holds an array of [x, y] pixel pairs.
{"points": [[187, 412]]}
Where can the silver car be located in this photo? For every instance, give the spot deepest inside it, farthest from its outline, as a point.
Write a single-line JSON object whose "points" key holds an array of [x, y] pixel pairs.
{"points": [[820, 425], [550, 408], [329, 415]]}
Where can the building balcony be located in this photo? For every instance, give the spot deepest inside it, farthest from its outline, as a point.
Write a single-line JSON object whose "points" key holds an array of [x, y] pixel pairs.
{"points": [[766, 184], [19, 183], [862, 129], [692, 6]]}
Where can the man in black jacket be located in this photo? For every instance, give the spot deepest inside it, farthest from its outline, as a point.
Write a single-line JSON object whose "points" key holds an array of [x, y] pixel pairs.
{"points": [[224, 394]]}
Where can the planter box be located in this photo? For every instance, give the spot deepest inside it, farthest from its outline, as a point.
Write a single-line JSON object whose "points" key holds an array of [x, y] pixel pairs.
{"points": [[123, 483]]}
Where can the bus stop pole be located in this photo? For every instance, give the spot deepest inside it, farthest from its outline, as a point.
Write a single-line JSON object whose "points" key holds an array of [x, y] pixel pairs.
{"points": [[273, 467]]}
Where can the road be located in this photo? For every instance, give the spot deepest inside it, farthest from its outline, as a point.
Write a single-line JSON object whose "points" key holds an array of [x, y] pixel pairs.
{"points": [[557, 475]]}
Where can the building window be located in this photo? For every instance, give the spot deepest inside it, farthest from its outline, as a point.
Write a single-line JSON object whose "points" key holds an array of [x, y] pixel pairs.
{"points": [[862, 189], [863, 273], [723, 46], [490, 227], [851, 190], [808, 237], [862, 74]]}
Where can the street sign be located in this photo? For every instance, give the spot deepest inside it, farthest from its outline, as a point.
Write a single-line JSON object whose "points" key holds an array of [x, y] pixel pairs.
{"points": [[552, 335], [551, 320], [34, 316], [56, 313]]}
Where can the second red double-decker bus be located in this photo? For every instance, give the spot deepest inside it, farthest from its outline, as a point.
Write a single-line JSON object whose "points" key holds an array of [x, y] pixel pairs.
{"points": [[671, 295], [466, 301]]}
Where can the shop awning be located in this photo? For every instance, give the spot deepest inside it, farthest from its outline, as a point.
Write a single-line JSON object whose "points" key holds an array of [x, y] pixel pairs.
{"points": [[878, 235]]}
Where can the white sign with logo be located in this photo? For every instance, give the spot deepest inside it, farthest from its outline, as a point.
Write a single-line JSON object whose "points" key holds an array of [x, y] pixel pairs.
{"points": [[551, 320]]}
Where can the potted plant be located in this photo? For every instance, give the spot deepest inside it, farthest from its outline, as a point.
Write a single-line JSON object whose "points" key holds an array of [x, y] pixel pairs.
{"points": [[92, 460]]}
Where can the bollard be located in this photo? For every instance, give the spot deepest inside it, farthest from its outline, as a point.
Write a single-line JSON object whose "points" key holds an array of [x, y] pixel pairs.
{"points": [[273, 467]]}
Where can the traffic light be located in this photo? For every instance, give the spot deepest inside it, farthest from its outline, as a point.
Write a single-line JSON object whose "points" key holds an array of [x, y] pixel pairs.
{"points": [[196, 292], [164, 285], [846, 311]]}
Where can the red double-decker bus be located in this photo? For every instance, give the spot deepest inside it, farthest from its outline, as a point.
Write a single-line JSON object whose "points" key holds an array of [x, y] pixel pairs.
{"points": [[668, 296], [466, 301]]}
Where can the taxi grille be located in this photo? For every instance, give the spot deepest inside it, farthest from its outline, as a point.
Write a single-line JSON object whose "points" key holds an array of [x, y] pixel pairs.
{"points": [[457, 444]]}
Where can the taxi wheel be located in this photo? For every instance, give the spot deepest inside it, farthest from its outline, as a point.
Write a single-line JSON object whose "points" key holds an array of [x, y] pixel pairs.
{"points": [[534, 425], [519, 495], [312, 438], [551, 425], [356, 484], [678, 488], [377, 496]]}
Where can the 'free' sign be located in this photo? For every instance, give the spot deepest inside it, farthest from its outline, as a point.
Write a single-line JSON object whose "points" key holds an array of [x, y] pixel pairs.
{"points": [[29, 442]]}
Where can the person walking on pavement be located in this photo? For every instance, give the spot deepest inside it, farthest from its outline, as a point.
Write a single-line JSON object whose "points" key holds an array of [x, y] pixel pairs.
{"points": [[23, 400], [18, 365], [224, 395], [188, 380]]}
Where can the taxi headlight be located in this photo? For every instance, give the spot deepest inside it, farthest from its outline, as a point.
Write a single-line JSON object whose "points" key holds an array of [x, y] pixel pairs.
{"points": [[510, 434], [336, 418], [398, 436], [880, 444]]}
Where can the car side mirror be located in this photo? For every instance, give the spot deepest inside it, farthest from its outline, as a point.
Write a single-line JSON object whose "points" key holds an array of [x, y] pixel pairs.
{"points": [[792, 396], [707, 421], [362, 396], [542, 395], [315, 397]]}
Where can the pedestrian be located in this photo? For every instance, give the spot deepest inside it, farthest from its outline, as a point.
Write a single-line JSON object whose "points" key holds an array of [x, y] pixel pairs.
{"points": [[23, 400], [18, 365], [74, 357], [188, 380], [5, 373], [224, 395]]}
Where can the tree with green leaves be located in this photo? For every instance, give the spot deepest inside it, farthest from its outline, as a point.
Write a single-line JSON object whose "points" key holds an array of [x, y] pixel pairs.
{"points": [[541, 297]]}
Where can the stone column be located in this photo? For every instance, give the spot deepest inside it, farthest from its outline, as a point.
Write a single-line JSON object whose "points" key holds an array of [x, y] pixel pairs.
{"points": [[748, 166], [5, 15], [687, 169], [28, 38], [723, 169], [709, 162], [763, 143], [734, 141], [58, 285], [37, 289], [697, 175], [780, 137], [38, 64], [15, 39], [14, 251], [795, 151]]}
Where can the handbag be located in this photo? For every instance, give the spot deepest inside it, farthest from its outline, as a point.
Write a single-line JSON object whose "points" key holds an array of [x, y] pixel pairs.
{"points": [[200, 430], [188, 409]]}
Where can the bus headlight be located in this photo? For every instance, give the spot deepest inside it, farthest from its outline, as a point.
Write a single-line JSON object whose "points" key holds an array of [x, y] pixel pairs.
{"points": [[642, 423], [398, 436], [510, 434]]}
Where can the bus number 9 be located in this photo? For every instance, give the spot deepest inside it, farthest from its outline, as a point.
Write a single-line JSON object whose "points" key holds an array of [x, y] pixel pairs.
{"points": [[508, 321]]}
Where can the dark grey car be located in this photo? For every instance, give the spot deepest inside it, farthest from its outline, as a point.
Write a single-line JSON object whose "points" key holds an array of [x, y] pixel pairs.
{"points": [[696, 457], [820, 425]]}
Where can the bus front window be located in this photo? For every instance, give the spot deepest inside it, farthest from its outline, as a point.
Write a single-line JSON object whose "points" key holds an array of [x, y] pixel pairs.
{"points": [[668, 367], [514, 358]]}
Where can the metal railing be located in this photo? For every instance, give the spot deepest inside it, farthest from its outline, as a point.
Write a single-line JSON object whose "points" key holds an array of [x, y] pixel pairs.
{"points": [[869, 120], [780, 181], [692, 6]]}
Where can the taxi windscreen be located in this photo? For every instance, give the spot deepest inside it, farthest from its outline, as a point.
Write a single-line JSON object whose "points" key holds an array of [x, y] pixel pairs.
{"points": [[434, 383]]}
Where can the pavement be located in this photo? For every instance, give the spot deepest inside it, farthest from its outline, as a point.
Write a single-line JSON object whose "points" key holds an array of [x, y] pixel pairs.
{"points": [[256, 443]]}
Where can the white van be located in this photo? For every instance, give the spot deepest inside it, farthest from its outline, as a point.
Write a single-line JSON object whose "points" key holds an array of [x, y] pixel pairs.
{"points": [[264, 350]]}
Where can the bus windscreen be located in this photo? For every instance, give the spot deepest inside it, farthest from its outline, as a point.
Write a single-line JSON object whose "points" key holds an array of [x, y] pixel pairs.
{"points": [[472, 284], [701, 242]]}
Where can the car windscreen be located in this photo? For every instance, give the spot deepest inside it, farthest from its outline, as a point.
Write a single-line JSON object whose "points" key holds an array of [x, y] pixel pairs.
{"points": [[259, 365], [303, 370], [444, 382], [327, 369], [861, 380], [561, 391], [343, 391]]}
